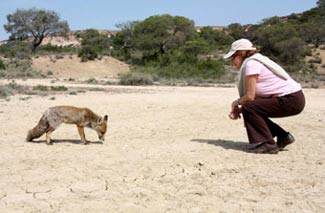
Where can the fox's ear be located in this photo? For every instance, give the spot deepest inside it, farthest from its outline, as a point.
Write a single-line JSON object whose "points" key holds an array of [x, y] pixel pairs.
{"points": [[100, 120], [105, 117]]}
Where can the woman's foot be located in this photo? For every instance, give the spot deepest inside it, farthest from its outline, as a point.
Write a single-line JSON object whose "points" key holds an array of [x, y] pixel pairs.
{"points": [[285, 141], [266, 148]]}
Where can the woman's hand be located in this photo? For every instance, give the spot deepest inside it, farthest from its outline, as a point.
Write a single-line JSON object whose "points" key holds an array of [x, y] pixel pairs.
{"points": [[235, 112]]}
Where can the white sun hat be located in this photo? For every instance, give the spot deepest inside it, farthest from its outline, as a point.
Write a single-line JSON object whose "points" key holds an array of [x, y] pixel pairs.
{"points": [[241, 44]]}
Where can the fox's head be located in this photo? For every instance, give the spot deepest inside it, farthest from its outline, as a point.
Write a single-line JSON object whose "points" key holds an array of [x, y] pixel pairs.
{"points": [[101, 127]]}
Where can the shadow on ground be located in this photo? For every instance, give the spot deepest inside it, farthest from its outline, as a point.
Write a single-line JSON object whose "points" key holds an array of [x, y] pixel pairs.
{"points": [[68, 141], [226, 144]]}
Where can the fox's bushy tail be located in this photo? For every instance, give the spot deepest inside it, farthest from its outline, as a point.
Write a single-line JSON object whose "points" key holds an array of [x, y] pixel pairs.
{"points": [[39, 129]]}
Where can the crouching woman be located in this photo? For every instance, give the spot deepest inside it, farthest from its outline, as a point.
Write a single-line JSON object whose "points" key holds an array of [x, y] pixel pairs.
{"points": [[265, 91]]}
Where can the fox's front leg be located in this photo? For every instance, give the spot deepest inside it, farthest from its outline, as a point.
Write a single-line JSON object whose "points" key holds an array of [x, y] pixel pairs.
{"points": [[48, 137], [82, 134]]}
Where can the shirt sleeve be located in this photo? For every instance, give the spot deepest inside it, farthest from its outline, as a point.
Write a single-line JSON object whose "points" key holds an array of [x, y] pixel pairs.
{"points": [[253, 67]]}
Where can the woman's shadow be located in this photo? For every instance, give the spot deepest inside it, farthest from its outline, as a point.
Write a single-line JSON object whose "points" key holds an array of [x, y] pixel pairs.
{"points": [[226, 144]]}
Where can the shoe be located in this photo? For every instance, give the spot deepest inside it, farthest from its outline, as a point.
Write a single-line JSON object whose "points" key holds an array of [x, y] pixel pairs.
{"points": [[285, 141], [266, 148]]}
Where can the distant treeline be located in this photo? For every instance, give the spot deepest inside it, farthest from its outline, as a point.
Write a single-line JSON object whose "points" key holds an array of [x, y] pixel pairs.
{"points": [[166, 46]]}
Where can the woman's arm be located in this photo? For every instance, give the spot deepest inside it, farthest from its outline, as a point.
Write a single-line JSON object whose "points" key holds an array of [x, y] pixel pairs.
{"points": [[250, 91], [250, 88], [250, 95]]}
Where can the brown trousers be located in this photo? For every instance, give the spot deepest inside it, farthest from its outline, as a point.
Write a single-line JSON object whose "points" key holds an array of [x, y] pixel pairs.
{"points": [[256, 115]]}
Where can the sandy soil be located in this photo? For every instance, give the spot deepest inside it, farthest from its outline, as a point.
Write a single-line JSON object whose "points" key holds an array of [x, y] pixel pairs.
{"points": [[72, 67], [168, 149]]}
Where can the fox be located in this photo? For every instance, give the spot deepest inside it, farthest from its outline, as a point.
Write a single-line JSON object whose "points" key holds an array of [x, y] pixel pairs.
{"points": [[82, 117]]}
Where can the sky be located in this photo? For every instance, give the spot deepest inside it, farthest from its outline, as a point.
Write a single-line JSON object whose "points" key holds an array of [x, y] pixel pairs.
{"points": [[105, 14]]}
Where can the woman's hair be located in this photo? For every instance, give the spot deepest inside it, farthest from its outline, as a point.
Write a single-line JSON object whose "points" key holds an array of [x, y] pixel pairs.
{"points": [[247, 53]]}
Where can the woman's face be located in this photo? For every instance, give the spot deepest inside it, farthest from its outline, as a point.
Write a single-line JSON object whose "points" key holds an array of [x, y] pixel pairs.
{"points": [[237, 59]]}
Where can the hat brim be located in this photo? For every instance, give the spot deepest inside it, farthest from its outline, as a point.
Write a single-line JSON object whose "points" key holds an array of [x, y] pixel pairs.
{"points": [[232, 52], [229, 54]]}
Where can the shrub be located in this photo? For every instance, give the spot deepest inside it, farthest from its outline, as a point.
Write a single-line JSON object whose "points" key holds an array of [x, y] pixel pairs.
{"points": [[210, 69], [10, 89], [59, 88], [50, 49], [40, 88], [2, 65], [316, 60], [73, 93], [16, 49], [19, 69], [5, 91], [87, 53], [136, 78], [91, 81]]}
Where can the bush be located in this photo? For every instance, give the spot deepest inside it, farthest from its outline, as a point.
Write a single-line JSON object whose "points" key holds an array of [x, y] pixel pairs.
{"points": [[5, 91], [49, 48], [19, 69], [87, 53], [2, 65], [16, 49], [211, 69], [40, 88], [10, 89], [59, 88], [91, 81], [136, 78], [316, 60]]}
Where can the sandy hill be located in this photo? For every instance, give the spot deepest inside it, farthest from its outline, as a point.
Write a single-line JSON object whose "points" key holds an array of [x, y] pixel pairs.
{"points": [[71, 39], [72, 67]]}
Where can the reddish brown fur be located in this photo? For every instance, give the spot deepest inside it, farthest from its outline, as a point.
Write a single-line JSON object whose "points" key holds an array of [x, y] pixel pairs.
{"points": [[38, 130], [82, 117]]}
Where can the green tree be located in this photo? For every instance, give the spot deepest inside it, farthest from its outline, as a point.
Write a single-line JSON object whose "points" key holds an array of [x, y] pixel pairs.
{"points": [[313, 33], [158, 34], [34, 23], [215, 38], [312, 26], [147, 40], [312, 15], [92, 37], [236, 30], [93, 44], [272, 21], [87, 53], [321, 4], [209, 35], [282, 43], [2, 65], [123, 40]]}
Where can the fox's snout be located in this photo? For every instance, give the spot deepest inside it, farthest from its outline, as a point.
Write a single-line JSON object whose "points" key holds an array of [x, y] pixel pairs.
{"points": [[101, 137]]}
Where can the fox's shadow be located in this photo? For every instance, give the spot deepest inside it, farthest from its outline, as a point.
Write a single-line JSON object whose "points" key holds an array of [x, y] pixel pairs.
{"points": [[226, 144], [67, 141]]}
